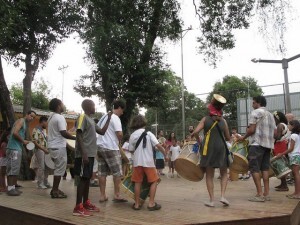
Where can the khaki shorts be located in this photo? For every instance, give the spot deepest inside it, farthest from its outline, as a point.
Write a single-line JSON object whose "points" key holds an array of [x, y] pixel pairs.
{"points": [[59, 157]]}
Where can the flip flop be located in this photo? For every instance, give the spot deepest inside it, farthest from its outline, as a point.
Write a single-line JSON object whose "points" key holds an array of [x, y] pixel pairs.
{"points": [[104, 200], [155, 207], [292, 197], [134, 208], [119, 200]]}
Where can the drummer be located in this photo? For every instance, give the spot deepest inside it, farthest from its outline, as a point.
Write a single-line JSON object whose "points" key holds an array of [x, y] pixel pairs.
{"points": [[141, 144], [213, 151], [281, 140], [39, 136], [261, 122]]}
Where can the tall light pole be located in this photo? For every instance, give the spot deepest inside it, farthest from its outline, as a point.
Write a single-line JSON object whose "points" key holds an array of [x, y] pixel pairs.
{"points": [[63, 70], [182, 34], [285, 65]]}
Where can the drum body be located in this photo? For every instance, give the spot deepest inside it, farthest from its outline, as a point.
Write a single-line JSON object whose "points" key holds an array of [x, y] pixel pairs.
{"points": [[240, 152], [48, 161], [187, 164], [70, 152], [127, 187], [280, 166]]}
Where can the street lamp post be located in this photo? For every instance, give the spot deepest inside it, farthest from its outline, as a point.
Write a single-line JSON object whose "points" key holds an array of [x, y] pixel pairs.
{"points": [[285, 65], [182, 34], [63, 70]]}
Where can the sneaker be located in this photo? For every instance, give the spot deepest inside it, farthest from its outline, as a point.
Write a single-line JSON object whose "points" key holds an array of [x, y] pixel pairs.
{"points": [[13, 192], [224, 201], [90, 207], [48, 185], [267, 198], [256, 199], [41, 186], [79, 210], [17, 190]]}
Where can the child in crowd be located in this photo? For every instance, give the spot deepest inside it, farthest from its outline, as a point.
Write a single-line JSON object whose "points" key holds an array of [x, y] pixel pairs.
{"points": [[294, 156], [141, 144], [3, 160], [174, 152]]}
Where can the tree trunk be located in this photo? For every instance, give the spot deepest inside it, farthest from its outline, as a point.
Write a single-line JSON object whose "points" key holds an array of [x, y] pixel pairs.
{"points": [[27, 81], [6, 106], [25, 173]]}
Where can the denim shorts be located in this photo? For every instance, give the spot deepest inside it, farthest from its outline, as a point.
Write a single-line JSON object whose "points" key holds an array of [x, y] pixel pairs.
{"points": [[259, 158]]}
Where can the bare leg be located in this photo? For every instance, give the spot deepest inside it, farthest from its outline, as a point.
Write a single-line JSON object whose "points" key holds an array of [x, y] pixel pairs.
{"points": [[210, 183], [117, 182], [295, 169], [56, 182], [102, 185], [137, 193], [152, 194], [257, 182], [224, 180], [265, 175]]}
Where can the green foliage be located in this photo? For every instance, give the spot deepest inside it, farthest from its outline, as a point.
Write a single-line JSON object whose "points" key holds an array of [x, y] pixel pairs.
{"points": [[219, 18], [121, 39], [233, 88], [30, 29], [40, 95], [169, 116]]}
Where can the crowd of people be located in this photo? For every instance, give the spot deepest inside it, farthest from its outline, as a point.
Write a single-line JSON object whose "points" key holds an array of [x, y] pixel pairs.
{"points": [[98, 152]]}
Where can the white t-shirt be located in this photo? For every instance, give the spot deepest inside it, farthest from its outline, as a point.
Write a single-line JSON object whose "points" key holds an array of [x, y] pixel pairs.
{"points": [[175, 152], [142, 156], [296, 150], [56, 123], [109, 140]]}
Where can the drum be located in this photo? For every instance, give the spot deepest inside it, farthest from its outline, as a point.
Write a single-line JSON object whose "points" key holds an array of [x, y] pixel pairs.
{"points": [[127, 187], [71, 144], [240, 163], [48, 162], [187, 164], [280, 166], [30, 146]]}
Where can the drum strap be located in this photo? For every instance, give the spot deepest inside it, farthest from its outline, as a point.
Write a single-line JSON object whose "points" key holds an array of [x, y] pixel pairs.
{"points": [[207, 138], [142, 137]]}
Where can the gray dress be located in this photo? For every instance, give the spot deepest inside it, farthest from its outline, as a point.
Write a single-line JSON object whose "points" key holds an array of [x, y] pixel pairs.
{"points": [[216, 151]]}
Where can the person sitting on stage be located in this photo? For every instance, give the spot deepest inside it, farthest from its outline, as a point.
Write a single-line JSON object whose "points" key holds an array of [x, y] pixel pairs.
{"points": [[213, 151], [281, 141], [141, 143], [294, 156]]}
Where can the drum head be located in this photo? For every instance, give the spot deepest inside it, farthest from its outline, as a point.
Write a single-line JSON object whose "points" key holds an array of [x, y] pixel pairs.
{"points": [[240, 163], [188, 170], [30, 146], [48, 161]]}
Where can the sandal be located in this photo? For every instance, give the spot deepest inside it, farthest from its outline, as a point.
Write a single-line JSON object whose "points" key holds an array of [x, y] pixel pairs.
{"points": [[58, 194], [155, 207], [134, 208]]}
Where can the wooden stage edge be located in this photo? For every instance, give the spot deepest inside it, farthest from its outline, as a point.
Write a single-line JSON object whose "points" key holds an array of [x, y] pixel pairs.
{"points": [[25, 218], [182, 203]]}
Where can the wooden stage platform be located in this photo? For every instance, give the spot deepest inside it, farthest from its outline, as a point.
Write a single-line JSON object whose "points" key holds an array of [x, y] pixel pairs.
{"points": [[181, 200]]}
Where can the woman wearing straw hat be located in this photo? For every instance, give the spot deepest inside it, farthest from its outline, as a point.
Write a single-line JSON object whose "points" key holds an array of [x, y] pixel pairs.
{"points": [[213, 150]]}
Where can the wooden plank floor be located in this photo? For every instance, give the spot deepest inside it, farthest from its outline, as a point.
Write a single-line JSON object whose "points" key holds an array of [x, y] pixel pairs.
{"points": [[182, 203]]}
